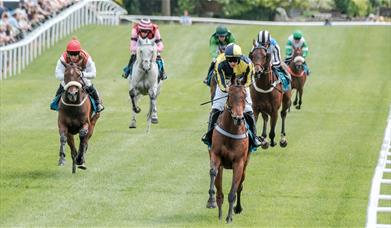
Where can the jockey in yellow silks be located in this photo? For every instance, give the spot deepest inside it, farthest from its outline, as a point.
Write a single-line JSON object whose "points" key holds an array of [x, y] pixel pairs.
{"points": [[231, 64]]}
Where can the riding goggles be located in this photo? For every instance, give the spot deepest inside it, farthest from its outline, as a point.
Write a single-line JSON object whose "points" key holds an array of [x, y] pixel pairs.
{"points": [[233, 59], [73, 53]]}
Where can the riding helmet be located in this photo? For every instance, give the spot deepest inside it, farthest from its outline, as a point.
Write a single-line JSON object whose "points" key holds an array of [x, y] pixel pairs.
{"points": [[73, 45], [233, 50], [297, 35], [264, 37], [221, 30]]}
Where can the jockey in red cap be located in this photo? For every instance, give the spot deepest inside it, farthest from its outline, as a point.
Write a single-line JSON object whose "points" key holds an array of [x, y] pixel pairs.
{"points": [[74, 53], [145, 29]]}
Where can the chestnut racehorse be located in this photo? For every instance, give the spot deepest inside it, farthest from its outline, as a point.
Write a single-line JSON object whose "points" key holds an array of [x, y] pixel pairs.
{"points": [[75, 117], [299, 76], [267, 96], [229, 150]]}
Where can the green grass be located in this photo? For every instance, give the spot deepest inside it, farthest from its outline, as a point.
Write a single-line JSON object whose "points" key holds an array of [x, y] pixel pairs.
{"points": [[322, 179]]}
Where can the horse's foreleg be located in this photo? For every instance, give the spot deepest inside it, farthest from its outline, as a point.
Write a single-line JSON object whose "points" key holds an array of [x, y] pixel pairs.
{"points": [[83, 135], [220, 194], [133, 98], [286, 103], [214, 165], [273, 122], [63, 141], [296, 96], [153, 105], [236, 180], [71, 144], [264, 143], [238, 208], [300, 91]]}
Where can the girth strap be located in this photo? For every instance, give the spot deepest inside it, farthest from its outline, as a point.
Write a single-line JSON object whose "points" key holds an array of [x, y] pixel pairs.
{"points": [[225, 133]]}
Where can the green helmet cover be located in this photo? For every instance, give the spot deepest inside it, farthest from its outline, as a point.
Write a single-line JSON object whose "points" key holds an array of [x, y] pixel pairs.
{"points": [[221, 30], [297, 35]]}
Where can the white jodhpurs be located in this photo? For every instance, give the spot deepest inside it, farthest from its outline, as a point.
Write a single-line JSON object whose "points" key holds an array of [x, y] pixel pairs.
{"points": [[219, 104]]}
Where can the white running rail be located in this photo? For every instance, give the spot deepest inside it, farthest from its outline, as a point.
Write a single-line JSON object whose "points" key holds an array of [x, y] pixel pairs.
{"points": [[15, 57], [377, 195]]}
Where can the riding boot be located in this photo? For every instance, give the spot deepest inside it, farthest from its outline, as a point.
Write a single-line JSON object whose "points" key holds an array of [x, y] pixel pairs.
{"points": [[59, 91], [250, 119], [209, 75], [54, 104], [160, 63], [213, 116], [129, 67], [95, 95]]}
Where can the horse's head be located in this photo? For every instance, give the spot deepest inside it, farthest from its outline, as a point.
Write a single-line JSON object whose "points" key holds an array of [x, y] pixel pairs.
{"points": [[236, 101], [261, 60], [73, 83], [146, 52], [298, 62]]}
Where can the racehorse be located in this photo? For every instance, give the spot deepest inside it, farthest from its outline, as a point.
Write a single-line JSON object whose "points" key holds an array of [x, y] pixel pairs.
{"points": [[229, 150], [144, 80], [267, 96], [299, 76], [75, 116]]}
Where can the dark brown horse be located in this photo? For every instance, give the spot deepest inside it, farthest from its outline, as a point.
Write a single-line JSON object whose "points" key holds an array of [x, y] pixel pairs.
{"points": [[299, 76], [75, 117], [229, 150], [267, 96]]}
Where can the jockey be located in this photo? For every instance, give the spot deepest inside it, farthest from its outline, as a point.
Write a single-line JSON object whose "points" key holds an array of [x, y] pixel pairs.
{"points": [[264, 39], [145, 29], [217, 43], [80, 57], [296, 40], [231, 64]]}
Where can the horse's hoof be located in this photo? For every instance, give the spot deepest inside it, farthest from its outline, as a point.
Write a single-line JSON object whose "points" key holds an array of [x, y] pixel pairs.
{"points": [[82, 166], [132, 125], [238, 210], [283, 143], [61, 162], [137, 110], [211, 204], [272, 144], [228, 219], [295, 103], [298, 107], [154, 120], [265, 145]]}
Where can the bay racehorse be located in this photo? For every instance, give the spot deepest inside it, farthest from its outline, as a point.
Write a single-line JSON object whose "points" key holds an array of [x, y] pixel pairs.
{"points": [[75, 116], [299, 76], [267, 96], [144, 80], [229, 150]]}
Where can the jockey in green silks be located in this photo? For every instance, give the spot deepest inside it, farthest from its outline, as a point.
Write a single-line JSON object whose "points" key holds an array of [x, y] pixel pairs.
{"points": [[296, 41], [217, 44]]}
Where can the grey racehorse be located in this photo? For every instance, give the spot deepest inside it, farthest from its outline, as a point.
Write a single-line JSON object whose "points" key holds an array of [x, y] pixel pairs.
{"points": [[144, 80]]}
